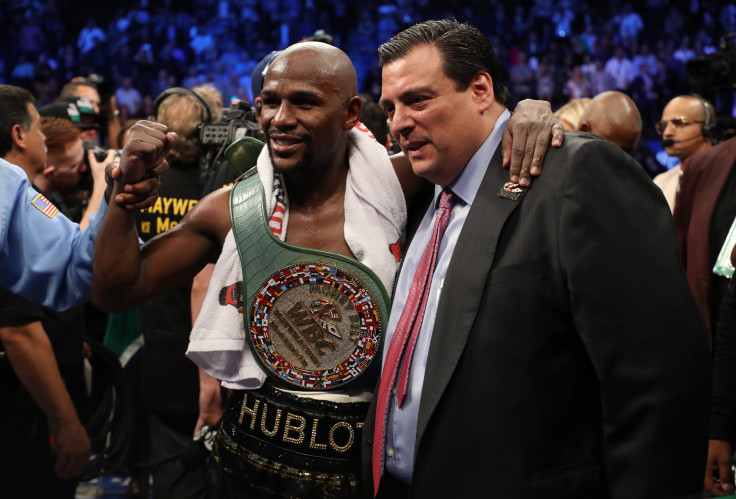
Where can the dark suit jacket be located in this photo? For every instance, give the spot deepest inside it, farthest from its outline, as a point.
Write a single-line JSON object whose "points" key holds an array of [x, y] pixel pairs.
{"points": [[703, 179], [568, 358]]}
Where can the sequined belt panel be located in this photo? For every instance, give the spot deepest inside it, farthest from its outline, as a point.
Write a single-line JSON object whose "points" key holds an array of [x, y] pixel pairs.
{"points": [[291, 429]]}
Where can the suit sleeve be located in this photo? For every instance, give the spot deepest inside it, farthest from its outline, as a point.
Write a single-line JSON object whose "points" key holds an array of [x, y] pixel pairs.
{"points": [[639, 323], [723, 403]]}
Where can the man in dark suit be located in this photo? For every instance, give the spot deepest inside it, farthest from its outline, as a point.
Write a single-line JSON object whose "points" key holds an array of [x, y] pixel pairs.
{"points": [[560, 353]]}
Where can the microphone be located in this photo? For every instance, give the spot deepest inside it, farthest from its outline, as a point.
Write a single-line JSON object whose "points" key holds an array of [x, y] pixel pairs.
{"points": [[671, 142]]}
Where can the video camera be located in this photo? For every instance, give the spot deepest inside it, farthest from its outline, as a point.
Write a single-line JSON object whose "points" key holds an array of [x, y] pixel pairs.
{"points": [[714, 72], [99, 151], [238, 121], [86, 182]]}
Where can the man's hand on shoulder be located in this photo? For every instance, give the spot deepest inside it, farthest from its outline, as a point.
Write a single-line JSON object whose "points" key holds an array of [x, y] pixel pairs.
{"points": [[527, 137]]}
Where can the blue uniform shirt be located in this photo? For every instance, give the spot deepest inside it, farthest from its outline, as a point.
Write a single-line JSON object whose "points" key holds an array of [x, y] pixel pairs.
{"points": [[44, 256]]}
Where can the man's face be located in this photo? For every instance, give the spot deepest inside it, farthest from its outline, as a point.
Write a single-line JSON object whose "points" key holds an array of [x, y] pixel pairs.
{"points": [[68, 166], [684, 117], [35, 142], [428, 117], [302, 115], [623, 137], [92, 94]]}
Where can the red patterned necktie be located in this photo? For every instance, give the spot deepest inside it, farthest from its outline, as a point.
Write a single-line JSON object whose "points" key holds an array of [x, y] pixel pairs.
{"points": [[401, 350]]}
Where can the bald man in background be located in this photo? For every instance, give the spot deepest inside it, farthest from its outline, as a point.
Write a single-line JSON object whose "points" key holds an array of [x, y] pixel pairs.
{"points": [[613, 116], [686, 127]]}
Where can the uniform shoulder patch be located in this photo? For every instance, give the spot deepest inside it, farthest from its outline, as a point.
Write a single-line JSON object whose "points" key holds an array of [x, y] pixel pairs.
{"points": [[45, 206]]}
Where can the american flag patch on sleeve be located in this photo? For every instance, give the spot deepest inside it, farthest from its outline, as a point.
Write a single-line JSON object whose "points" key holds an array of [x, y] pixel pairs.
{"points": [[45, 206]]}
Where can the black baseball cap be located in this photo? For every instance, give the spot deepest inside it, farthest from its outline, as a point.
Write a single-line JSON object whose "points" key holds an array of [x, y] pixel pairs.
{"points": [[259, 72], [78, 110]]}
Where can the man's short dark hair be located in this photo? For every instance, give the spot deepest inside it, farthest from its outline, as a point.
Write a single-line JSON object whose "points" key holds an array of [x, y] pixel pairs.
{"points": [[465, 52], [14, 105]]}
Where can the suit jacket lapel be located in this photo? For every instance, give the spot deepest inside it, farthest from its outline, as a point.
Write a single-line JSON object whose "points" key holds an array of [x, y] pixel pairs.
{"points": [[456, 311]]}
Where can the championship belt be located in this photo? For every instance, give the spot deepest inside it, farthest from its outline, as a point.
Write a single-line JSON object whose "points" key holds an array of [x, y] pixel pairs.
{"points": [[314, 319]]}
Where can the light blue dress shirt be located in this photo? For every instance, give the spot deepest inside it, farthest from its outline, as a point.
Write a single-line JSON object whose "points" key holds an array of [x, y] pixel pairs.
{"points": [[402, 423], [45, 259]]}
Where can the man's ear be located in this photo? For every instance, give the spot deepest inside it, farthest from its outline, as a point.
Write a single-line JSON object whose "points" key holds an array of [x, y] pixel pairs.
{"points": [[352, 112], [482, 87], [584, 126], [48, 171], [17, 136]]}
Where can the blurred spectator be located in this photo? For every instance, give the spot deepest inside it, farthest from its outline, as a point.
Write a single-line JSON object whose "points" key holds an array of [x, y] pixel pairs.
{"points": [[545, 80], [684, 52], [645, 92], [589, 39], [644, 56], [90, 44], [562, 19], [31, 39], [128, 98], [162, 82], [629, 27], [588, 66], [727, 17], [577, 86], [521, 77], [619, 66]]}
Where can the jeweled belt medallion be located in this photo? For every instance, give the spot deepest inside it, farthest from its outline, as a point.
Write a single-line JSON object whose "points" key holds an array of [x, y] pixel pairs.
{"points": [[315, 326]]}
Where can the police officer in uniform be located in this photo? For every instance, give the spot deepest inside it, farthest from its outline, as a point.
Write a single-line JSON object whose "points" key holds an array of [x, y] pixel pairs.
{"points": [[48, 259], [38, 418]]}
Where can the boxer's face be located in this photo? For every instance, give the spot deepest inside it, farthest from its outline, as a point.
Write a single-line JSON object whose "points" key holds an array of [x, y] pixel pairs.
{"points": [[302, 114]]}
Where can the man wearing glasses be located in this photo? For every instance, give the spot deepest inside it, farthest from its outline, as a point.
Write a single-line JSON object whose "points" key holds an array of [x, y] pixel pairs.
{"points": [[686, 127]]}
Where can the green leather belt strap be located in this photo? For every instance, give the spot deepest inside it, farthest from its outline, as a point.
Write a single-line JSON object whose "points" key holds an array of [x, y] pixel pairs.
{"points": [[329, 326]]}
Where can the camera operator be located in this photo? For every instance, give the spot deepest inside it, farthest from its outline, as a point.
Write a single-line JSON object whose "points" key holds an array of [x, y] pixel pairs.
{"points": [[67, 164], [75, 164]]}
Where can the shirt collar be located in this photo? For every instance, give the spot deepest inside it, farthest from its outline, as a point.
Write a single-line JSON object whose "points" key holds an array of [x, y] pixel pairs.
{"points": [[466, 185]]}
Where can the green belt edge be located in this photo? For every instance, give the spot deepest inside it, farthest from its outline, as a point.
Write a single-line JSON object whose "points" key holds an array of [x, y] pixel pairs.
{"points": [[262, 254]]}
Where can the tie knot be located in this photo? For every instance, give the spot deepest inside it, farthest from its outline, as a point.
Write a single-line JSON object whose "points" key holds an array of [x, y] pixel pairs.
{"points": [[446, 199]]}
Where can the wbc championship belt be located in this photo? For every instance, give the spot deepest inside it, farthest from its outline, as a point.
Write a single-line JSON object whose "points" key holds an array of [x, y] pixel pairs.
{"points": [[313, 319]]}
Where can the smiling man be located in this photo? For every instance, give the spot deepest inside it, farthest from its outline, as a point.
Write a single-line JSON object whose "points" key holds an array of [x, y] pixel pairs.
{"points": [[542, 341]]}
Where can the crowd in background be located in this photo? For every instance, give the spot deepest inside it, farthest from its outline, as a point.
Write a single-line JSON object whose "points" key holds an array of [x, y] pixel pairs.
{"points": [[554, 50], [551, 50]]}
